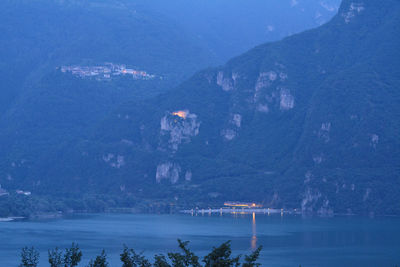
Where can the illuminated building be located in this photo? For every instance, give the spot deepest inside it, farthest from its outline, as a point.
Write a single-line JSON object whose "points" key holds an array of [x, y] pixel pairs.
{"points": [[242, 205], [180, 113]]}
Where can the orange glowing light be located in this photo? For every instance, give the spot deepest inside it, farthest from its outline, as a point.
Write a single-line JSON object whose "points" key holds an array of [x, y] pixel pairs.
{"points": [[242, 205], [180, 113]]}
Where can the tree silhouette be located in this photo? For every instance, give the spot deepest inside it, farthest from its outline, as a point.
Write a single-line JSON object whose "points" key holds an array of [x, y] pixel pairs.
{"points": [[56, 258], [29, 257], [100, 261]]}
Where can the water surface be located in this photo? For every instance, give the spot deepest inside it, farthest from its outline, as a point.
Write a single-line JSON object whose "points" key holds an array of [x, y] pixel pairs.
{"points": [[287, 240]]}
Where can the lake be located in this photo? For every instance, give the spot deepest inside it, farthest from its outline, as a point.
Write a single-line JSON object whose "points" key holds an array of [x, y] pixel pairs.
{"points": [[286, 240]]}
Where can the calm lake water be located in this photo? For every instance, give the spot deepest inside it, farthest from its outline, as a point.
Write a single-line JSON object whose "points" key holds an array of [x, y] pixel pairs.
{"points": [[287, 240]]}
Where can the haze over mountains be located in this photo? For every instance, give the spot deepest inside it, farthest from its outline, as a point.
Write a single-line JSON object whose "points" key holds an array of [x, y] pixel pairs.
{"points": [[309, 122]]}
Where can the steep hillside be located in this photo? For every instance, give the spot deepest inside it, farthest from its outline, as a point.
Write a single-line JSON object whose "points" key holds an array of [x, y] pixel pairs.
{"points": [[39, 38], [43, 108], [309, 122], [159, 37]]}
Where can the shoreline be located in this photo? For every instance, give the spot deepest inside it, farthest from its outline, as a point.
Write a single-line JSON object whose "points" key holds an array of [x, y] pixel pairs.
{"points": [[239, 211], [193, 212], [10, 219]]}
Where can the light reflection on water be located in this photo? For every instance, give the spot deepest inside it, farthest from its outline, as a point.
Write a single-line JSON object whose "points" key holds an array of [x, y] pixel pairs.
{"points": [[254, 232]]}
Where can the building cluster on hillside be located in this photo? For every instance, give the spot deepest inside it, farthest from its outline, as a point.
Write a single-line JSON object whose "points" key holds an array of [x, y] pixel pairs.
{"points": [[21, 192], [4, 192], [106, 72]]}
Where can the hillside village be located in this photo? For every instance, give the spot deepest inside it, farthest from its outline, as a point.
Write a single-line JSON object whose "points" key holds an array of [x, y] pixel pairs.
{"points": [[106, 72], [4, 192]]}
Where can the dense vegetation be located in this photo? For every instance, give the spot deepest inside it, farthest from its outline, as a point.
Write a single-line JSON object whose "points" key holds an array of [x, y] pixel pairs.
{"points": [[219, 256], [309, 122], [48, 117], [53, 206]]}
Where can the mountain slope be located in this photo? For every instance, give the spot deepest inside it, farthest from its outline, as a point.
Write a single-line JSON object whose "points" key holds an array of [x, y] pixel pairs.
{"points": [[309, 122], [42, 108], [38, 36]]}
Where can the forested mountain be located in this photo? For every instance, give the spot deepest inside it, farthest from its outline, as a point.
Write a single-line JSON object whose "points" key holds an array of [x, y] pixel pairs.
{"points": [[167, 38], [309, 122], [38, 36], [43, 107]]}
